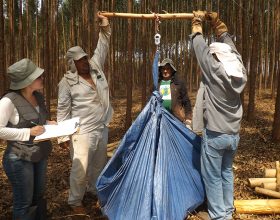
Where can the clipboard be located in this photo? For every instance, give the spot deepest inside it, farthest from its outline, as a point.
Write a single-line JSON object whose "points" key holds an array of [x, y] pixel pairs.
{"points": [[63, 128]]}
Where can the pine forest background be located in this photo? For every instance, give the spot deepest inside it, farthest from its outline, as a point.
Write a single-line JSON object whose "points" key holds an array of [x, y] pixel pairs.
{"points": [[43, 30]]}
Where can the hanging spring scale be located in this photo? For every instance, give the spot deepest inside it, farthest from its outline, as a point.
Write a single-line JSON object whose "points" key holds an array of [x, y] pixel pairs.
{"points": [[157, 35]]}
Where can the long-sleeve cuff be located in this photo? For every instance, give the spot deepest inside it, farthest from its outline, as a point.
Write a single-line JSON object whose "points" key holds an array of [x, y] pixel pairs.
{"points": [[104, 22], [191, 36], [63, 139], [222, 37]]}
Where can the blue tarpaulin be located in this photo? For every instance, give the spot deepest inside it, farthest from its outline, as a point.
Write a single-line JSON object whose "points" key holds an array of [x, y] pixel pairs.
{"points": [[154, 173]]}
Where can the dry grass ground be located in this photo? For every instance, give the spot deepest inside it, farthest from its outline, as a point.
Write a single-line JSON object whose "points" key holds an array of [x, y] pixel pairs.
{"points": [[256, 152]]}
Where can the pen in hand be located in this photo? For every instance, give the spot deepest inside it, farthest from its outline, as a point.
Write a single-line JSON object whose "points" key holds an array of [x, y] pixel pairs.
{"points": [[37, 129], [34, 123]]}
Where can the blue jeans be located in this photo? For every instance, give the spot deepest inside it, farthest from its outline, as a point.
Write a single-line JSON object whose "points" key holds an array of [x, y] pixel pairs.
{"points": [[217, 155], [28, 183]]}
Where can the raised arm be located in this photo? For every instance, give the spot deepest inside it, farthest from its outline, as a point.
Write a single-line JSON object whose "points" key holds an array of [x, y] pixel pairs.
{"points": [[201, 49], [220, 29], [102, 47]]}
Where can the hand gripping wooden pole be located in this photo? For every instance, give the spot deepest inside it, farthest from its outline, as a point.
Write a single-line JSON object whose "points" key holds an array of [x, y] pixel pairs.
{"points": [[149, 16]]}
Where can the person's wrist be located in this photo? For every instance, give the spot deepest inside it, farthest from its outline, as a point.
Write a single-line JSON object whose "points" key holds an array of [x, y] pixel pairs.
{"points": [[188, 122], [104, 22]]}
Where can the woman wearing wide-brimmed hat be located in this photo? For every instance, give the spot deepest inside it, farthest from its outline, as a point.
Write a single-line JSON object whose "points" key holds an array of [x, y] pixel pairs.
{"points": [[23, 114]]}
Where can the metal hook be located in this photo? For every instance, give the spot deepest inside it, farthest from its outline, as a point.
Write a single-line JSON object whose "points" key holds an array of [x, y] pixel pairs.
{"points": [[157, 39], [157, 35]]}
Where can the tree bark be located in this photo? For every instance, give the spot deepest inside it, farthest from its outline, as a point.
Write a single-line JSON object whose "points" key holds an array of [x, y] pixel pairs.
{"points": [[253, 66], [144, 60], [276, 122], [20, 32], [2, 49], [11, 16], [129, 71]]}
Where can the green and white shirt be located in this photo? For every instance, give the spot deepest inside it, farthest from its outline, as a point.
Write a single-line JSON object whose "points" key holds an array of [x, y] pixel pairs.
{"points": [[165, 91]]}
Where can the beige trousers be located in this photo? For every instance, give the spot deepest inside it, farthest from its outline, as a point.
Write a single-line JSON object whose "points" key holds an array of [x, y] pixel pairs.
{"points": [[89, 156]]}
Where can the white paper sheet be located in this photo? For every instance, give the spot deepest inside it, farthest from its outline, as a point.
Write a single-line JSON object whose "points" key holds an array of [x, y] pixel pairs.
{"points": [[62, 128]]}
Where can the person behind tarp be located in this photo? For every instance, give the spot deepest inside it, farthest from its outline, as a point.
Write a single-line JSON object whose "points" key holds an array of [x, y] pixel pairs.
{"points": [[83, 92], [174, 92], [218, 112], [23, 114]]}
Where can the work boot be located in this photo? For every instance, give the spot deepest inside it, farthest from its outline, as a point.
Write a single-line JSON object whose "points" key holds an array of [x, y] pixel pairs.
{"points": [[78, 209], [41, 212], [203, 215], [30, 215]]}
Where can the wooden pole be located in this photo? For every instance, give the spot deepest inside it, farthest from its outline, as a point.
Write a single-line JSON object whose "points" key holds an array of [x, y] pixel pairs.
{"points": [[271, 186], [253, 182], [149, 16], [277, 164], [267, 192], [268, 173], [257, 206]]}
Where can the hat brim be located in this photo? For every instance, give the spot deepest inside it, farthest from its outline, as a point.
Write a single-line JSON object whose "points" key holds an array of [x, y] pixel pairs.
{"points": [[79, 56], [28, 80], [163, 64]]}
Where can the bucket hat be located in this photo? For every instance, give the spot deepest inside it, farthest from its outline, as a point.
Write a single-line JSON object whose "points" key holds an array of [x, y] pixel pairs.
{"points": [[167, 61], [23, 73], [75, 53]]}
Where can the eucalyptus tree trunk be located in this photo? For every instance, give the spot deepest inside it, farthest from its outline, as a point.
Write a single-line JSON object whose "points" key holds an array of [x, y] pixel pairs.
{"points": [[129, 72], [85, 26], [51, 50], [274, 50], [94, 26], [38, 37], [11, 16], [276, 123], [253, 65], [28, 30], [20, 32], [46, 50], [245, 38], [53, 71], [73, 38], [112, 61], [262, 45], [267, 42], [2, 49], [239, 37], [143, 67]]}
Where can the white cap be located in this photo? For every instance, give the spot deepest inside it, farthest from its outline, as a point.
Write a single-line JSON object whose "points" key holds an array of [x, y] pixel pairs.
{"points": [[231, 63], [75, 53]]}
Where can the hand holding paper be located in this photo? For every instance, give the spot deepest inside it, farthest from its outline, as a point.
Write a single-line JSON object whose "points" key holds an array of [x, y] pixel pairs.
{"points": [[62, 128]]}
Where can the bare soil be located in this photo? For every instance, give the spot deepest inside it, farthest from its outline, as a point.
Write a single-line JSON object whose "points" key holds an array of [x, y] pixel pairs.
{"points": [[255, 153]]}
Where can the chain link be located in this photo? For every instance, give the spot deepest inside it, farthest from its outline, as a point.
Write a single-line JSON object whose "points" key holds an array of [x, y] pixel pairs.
{"points": [[157, 35]]}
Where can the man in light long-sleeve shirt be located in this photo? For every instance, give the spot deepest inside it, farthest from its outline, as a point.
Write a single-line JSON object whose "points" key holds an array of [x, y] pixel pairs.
{"points": [[218, 112], [83, 92]]}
